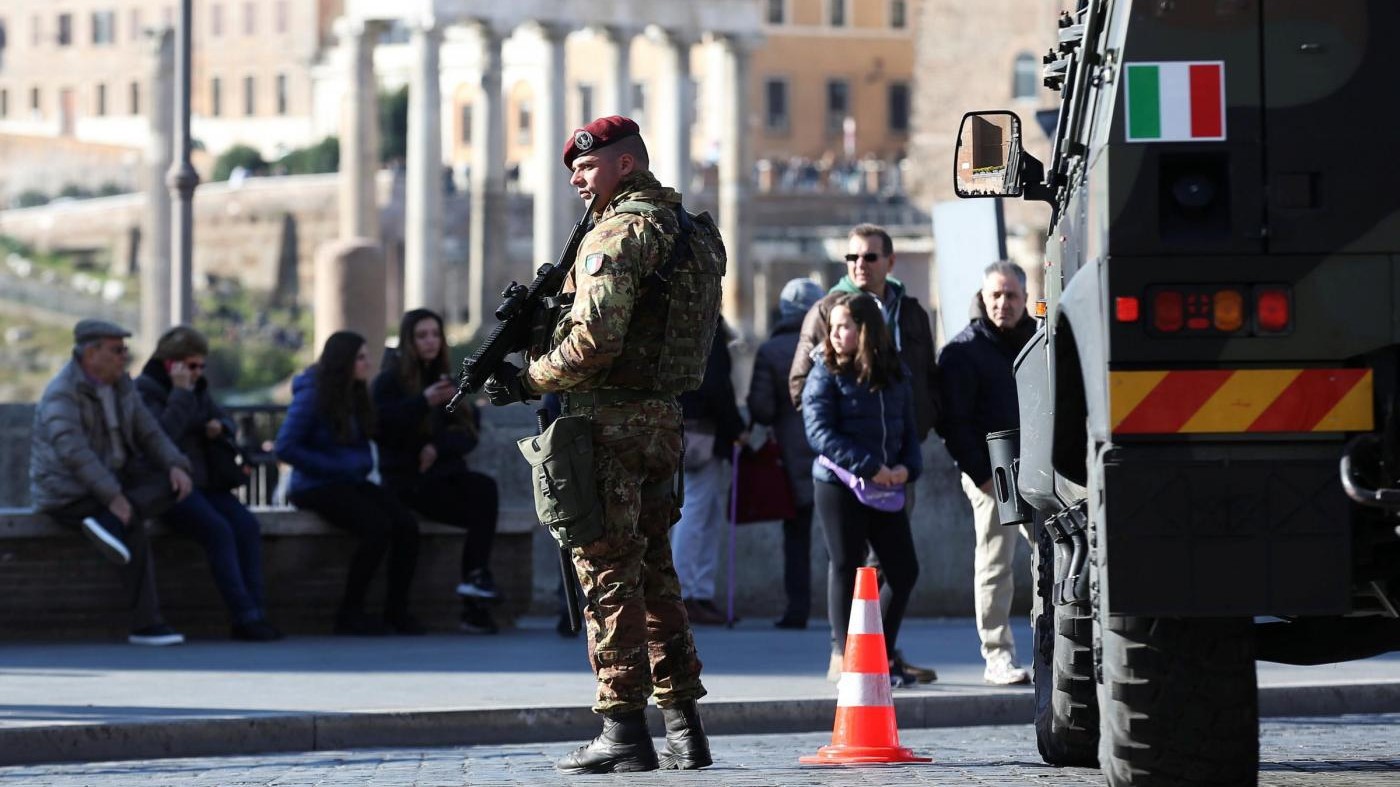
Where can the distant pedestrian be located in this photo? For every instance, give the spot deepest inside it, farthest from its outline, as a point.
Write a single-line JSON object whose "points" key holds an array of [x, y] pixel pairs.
{"points": [[326, 440], [770, 405], [100, 463]]}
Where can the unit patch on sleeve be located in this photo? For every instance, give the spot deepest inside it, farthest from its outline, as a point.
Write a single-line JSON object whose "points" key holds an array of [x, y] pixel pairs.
{"points": [[593, 263]]}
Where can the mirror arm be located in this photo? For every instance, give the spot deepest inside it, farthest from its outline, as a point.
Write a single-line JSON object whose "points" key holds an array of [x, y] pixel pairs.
{"points": [[1032, 176]]}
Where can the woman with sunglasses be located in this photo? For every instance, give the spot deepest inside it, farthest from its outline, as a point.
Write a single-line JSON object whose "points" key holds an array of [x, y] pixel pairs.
{"points": [[174, 388]]}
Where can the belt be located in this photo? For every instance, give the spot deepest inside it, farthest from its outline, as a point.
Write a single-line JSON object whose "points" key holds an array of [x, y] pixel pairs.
{"points": [[579, 400]]}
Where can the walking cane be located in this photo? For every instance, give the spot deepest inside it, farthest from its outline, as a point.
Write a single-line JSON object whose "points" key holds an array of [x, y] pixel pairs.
{"points": [[733, 529]]}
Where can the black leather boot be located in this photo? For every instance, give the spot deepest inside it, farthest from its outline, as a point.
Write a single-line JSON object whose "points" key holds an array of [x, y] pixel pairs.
{"points": [[687, 748], [624, 746]]}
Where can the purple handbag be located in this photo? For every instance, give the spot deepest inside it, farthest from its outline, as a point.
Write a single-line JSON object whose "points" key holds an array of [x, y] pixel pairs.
{"points": [[877, 496]]}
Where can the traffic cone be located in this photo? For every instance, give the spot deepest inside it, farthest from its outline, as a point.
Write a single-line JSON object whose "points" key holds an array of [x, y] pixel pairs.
{"points": [[865, 730]]}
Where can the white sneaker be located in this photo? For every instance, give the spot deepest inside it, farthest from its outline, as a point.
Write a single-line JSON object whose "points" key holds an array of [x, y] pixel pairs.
{"points": [[1002, 670], [156, 636], [108, 543], [835, 667]]}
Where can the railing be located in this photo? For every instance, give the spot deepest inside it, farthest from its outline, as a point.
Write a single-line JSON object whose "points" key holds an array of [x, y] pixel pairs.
{"points": [[257, 430]]}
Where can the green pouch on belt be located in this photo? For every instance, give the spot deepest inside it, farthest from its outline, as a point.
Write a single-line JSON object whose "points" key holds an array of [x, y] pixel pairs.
{"points": [[563, 480]]}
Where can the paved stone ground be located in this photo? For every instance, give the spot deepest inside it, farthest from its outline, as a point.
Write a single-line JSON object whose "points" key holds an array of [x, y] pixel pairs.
{"points": [[1354, 751]]}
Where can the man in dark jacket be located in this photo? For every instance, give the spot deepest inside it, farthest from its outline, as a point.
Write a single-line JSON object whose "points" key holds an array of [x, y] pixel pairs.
{"points": [[712, 425], [869, 263], [979, 397], [770, 405]]}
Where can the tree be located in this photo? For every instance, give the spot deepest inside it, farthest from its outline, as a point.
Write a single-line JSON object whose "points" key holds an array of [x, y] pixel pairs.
{"points": [[393, 125], [324, 156], [244, 156]]}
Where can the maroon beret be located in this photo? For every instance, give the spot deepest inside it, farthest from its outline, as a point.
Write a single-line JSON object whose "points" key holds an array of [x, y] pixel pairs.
{"points": [[598, 134]]}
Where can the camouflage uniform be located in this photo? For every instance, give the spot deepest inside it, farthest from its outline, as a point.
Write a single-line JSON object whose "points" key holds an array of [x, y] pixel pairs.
{"points": [[639, 639]]}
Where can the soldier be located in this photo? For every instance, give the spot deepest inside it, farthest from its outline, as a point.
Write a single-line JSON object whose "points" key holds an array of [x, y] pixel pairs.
{"points": [[646, 288]]}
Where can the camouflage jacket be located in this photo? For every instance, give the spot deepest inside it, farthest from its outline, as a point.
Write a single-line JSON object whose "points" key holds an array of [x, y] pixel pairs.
{"points": [[607, 279]]}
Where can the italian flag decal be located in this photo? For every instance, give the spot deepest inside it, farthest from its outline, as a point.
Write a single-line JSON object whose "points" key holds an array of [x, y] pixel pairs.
{"points": [[1175, 102]]}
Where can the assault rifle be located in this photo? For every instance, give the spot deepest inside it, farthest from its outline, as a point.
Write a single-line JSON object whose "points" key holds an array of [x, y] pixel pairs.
{"points": [[517, 313]]}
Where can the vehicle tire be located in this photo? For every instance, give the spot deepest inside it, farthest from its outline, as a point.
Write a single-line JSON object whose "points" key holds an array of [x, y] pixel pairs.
{"points": [[1066, 702], [1178, 702]]}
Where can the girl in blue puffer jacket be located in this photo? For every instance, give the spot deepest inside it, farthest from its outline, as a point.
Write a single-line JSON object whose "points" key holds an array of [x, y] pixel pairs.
{"points": [[858, 411]]}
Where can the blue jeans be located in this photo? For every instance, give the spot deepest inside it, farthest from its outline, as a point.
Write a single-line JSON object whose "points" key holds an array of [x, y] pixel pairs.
{"points": [[232, 540]]}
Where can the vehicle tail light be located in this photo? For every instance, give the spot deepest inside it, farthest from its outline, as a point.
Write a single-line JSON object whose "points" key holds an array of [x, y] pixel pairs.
{"points": [[1228, 311], [1168, 311], [1273, 309], [1126, 308]]}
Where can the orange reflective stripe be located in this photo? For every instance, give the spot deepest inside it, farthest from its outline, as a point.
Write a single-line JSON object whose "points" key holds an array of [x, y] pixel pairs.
{"points": [[1222, 401], [1240, 401]]}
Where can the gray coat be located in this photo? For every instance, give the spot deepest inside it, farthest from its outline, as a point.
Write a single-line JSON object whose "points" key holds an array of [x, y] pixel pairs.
{"points": [[770, 405], [69, 457]]}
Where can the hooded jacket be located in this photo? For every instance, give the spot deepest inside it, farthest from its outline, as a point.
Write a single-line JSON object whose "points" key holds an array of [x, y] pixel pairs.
{"points": [[857, 427], [307, 441], [912, 335], [71, 451], [979, 388], [182, 414]]}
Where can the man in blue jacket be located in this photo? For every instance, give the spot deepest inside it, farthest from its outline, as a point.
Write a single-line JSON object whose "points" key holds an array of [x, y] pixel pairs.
{"points": [[979, 397]]}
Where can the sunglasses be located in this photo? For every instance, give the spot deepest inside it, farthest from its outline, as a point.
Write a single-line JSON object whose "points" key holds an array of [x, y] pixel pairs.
{"points": [[869, 256], [194, 367]]}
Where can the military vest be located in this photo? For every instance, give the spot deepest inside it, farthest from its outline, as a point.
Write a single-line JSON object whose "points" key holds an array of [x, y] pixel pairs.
{"points": [[677, 310]]}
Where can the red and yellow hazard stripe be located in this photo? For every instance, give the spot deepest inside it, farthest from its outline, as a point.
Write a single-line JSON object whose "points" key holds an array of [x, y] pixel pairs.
{"points": [[1237, 400]]}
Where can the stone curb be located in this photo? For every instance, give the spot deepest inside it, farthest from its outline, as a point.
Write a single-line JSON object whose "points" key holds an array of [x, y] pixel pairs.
{"points": [[496, 726]]}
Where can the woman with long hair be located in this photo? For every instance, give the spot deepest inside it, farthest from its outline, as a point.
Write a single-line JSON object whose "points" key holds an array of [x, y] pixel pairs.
{"points": [[173, 387], [424, 456], [858, 411], [326, 438]]}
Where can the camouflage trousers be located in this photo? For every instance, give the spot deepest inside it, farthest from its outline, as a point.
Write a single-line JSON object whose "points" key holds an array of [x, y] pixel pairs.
{"points": [[639, 640]]}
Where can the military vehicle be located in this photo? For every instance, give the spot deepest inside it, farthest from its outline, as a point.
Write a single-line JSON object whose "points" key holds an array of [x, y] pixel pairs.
{"points": [[1208, 412]]}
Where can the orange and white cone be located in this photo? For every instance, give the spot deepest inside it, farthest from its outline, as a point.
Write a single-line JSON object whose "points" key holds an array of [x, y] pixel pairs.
{"points": [[865, 730]]}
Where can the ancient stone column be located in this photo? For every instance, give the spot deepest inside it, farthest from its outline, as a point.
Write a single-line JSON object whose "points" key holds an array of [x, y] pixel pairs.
{"points": [[349, 292], [488, 181], [155, 240], [359, 131], [553, 203], [619, 96], [734, 186], [670, 122], [423, 275]]}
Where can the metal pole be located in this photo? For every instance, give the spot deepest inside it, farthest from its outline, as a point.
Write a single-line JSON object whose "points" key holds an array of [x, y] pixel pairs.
{"points": [[182, 179]]}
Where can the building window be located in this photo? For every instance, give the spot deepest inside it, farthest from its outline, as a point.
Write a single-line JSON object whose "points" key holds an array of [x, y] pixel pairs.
{"points": [[836, 12], [281, 94], [216, 97], [639, 103], [134, 99], [250, 19], [585, 104], [99, 101], [899, 107], [104, 28], [281, 16], [1023, 78], [216, 20], [899, 14], [777, 12], [35, 105], [523, 118], [466, 119], [4, 103], [65, 29], [838, 104], [250, 96], [775, 105]]}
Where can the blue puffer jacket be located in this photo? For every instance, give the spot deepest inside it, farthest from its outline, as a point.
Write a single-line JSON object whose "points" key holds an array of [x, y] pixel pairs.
{"points": [[859, 428], [307, 441]]}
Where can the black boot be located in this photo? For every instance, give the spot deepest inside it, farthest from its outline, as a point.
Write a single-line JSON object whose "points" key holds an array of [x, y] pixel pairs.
{"points": [[624, 746], [687, 748]]}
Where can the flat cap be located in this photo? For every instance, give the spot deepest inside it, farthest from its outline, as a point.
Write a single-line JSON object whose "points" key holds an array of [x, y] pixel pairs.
{"points": [[89, 329], [598, 134]]}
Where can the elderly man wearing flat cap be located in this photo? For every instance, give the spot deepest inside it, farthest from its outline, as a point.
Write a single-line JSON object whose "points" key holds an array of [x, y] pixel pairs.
{"points": [[101, 463], [646, 291]]}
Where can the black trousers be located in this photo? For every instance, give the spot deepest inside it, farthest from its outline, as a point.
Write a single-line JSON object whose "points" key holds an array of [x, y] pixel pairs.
{"points": [[384, 526], [468, 500], [850, 527], [797, 564]]}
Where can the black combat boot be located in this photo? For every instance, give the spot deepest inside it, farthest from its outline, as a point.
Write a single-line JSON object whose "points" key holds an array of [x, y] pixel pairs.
{"points": [[687, 748], [623, 747]]}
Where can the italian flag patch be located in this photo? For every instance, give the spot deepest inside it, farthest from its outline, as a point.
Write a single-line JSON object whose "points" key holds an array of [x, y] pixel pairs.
{"points": [[1175, 102]]}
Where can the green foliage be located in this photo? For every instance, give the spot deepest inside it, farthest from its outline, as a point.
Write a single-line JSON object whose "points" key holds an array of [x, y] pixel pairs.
{"points": [[31, 198], [253, 346], [243, 156], [73, 191], [324, 156], [393, 125]]}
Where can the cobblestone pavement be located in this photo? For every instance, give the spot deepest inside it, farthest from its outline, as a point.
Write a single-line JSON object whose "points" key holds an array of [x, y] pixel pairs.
{"points": [[1353, 750]]}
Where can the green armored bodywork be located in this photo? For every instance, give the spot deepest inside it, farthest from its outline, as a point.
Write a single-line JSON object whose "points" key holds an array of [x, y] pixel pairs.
{"points": [[1222, 277]]}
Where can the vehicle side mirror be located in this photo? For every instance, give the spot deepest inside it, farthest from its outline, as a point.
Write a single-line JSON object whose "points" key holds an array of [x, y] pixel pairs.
{"points": [[988, 159]]}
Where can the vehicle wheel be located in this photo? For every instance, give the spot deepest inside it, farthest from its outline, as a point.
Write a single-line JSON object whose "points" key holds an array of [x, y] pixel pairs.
{"points": [[1066, 703], [1178, 703]]}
